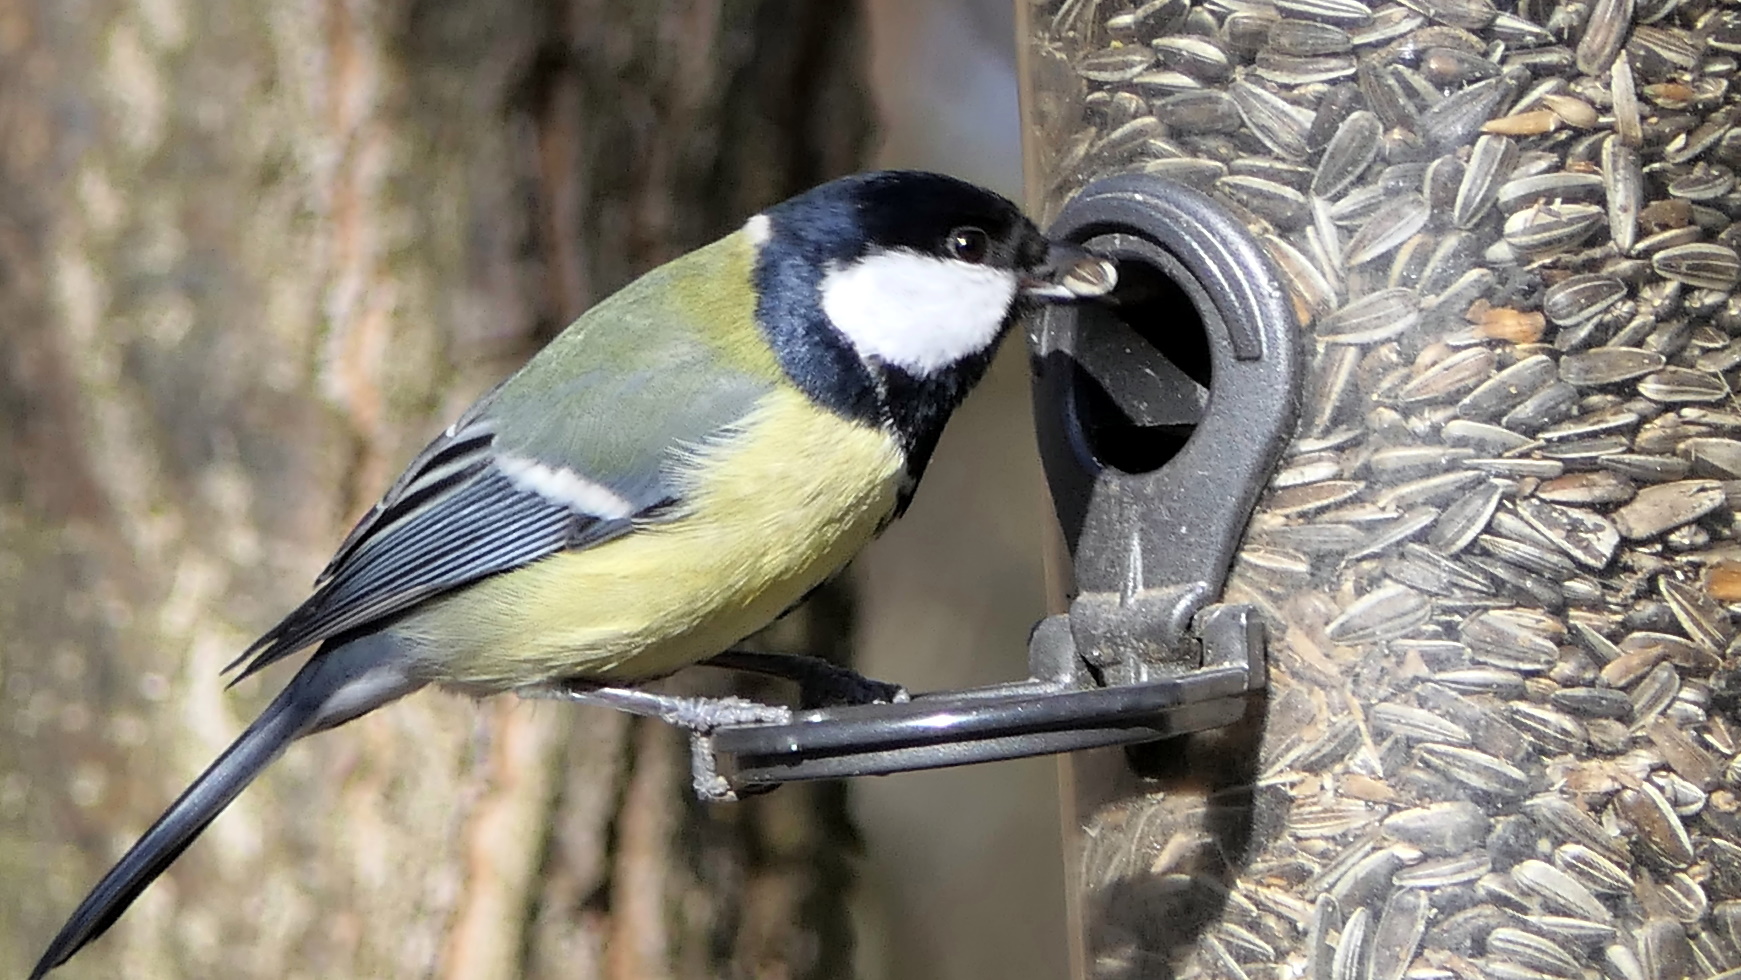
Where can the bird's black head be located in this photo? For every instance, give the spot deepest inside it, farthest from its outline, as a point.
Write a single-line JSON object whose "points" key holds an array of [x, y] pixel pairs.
{"points": [[886, 294]]}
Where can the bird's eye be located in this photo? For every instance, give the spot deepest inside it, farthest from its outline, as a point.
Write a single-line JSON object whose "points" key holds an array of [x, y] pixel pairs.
{"points": [[967, 244]]}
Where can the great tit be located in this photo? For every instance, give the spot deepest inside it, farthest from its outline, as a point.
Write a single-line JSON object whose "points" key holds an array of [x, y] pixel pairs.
{"points": [[676, 469]]}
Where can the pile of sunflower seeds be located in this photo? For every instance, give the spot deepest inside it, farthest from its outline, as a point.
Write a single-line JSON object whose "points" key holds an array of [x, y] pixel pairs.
{"points": [[1500, 561]]}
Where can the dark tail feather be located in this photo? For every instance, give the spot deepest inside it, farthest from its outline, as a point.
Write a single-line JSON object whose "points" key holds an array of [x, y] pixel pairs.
{"points": [[336, 686]]}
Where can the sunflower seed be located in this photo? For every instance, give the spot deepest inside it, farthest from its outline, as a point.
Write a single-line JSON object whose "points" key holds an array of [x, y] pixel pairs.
{"points": [[1474, 769], [1350, 955], [1491, 159], [1160, 84], [1683, 795], [1406, 526], [1115, 64], [1540, 469], [1416, 725], [1579, 298], [1706, 622], [1482, 680], [1622, 964], [1452, 377], [1382, 614], [1593, 869], [1628, 126], [1551, 227], [1705, 182], [1286, 69], [1581, 934], [1586, 450], [1439, 829], [1482, 437], [1659, 508], [1426, 490], [1405, 462], [1198, 57], [1314, 291], [1566, 822], [1644, 467], [1589, 538], [1203, 111], [1398, 934], [1446, 67], [1599, 422], [1550, 188], [1673, 47], [1445, 872], [1507, 389], [1556, 732], [1559, 891], [1680, 385], [1316, 539], [1458, 117], [1425, 569], [1529, 557], [1603, 35], [1676, 896], [1388, 227], [1689, 145], [1532, 951], [1348, 155], [1372, 318], [1552, 403], [1656, 824], [1346, 13], [1358, 205], [1699, 264], [1652, 694], [1467, 517], [1681, 652], [1623, 185], [1281, 126], [1592, 702], [1608, 365], [1339, 739], [1512, 639], [1278, 204], [1306, 39]]}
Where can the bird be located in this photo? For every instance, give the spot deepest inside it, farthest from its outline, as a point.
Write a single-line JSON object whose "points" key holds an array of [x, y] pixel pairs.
{"points": [[672, 472]]}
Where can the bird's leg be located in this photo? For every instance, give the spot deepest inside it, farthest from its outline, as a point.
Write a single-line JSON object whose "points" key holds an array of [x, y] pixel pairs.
{"points": [[690, 713], [698, 716], [820, 684]]}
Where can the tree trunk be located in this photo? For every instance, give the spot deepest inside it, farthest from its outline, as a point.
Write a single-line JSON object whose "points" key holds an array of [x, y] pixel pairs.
{"points": [[252, 255]]}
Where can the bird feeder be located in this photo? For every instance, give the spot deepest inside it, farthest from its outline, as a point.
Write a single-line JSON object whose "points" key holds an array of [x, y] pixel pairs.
{"points": [[1496, 562]]}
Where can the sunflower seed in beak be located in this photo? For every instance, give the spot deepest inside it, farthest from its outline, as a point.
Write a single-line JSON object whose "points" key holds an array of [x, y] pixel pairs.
{"points": [[1071, 274]]}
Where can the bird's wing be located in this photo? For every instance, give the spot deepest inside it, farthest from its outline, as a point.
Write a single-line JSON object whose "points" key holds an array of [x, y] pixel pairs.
{"points": [[461, 511], [564, 455]]}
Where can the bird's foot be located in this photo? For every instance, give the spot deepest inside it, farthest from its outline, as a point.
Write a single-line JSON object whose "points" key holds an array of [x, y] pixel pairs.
{"points": [[699, 716], [693, 714], [820, 684]]}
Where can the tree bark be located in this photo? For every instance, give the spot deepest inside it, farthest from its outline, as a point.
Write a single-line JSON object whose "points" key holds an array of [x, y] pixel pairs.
{"points": [[252, 255]]}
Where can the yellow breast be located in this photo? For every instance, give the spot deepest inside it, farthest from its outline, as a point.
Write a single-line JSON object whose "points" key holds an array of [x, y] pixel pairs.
{"points": [[768, 515]]}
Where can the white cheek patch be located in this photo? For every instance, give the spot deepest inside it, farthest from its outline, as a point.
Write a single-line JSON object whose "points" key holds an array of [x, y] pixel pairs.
{"points": [[918, 312], [565, 487]]}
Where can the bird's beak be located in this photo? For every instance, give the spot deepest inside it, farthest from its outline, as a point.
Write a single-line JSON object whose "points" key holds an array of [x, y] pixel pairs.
{"points": [[1070, 273]]}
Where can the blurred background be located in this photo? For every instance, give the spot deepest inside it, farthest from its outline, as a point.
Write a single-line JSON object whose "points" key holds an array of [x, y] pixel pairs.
{"points": [[224, 235]]}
